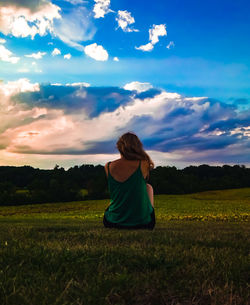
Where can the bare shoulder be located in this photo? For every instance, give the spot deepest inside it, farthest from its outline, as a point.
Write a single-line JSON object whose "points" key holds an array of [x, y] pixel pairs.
{"points": [[110, 162], [106, 165]]}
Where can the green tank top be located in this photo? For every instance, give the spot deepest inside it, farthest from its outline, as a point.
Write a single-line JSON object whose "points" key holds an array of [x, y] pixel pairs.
{"points": [[129, 201]]}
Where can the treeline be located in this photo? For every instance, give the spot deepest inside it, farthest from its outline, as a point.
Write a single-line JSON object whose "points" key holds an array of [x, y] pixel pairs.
{"points": [[170, 180], [25, 184]]}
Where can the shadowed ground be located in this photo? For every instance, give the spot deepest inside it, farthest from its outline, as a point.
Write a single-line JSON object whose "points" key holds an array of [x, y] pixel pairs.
{"points": [[61, 254]]}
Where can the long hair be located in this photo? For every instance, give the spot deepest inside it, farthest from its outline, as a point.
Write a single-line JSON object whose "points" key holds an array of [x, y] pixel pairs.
{"points": [[131, 148]]}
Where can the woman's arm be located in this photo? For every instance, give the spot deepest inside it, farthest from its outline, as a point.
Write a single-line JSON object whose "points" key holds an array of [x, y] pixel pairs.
{"points": [[106, 169]]}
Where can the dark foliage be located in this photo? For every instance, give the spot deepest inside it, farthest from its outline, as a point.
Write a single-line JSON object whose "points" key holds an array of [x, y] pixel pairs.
{"points": [[25, 184]]}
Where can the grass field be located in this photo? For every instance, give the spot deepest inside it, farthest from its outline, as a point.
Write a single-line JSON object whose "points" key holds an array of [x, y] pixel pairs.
{"points": [[60, 253]]}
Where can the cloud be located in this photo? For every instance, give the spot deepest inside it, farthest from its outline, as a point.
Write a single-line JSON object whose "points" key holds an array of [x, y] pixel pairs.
{"points": [[77, 119], [37, 55], [75, 96], [43, 115], [115, 59], [2, 40], [147, 47], [80, 84], [76, 2], [101, 8], [27, 18], [6, 55], [74, 27], [137, 86], [96, 51], [67, 56], [154, 33], [56, 52], [15, 87], [33, 6], [170, 45], [125, 19]]}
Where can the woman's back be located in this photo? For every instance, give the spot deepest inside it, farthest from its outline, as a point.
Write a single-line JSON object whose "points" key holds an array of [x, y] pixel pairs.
{"points": [[121, 169], [130, 204]]}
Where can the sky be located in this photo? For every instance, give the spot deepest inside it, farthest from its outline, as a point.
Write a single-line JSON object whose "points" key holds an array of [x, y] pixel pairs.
{"points": [[76, 74]]}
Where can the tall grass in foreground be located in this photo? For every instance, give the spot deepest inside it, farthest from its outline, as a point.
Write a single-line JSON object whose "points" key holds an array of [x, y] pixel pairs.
{"points": [[61, 254]]}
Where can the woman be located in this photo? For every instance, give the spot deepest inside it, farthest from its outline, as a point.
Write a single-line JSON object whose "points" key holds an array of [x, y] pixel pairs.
{"points": [[132, 202]]}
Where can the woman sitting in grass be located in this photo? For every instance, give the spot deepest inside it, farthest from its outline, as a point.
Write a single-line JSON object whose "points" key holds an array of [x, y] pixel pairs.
{"points": [[132, 201]]}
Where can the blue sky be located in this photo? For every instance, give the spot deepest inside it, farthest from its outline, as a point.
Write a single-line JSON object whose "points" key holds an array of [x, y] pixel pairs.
{"points": [[182, 66]]}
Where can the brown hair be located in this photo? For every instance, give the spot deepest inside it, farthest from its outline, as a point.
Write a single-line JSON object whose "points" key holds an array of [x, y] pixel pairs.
{"points": [[131, 148]]}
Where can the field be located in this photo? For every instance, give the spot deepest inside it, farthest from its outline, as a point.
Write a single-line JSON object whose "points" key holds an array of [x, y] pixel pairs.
{"points": [[60, 253]]}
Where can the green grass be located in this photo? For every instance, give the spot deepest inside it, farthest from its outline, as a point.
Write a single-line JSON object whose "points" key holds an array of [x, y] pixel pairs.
{"points": [[60, 253], [22, 191]]}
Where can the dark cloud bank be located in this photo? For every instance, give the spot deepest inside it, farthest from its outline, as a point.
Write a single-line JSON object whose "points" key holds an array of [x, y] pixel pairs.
{"points": [[181, 124]]}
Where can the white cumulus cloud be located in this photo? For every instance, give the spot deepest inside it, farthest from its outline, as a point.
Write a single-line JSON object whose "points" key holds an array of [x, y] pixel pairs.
{"points": [[138, 86], [27, 19], [56, 52], [37, 55], [116, 58], [67, 56], [20, 85], [154, 33], [6, 55], [2, 40], [146, 47], [125, 19], [96, 51], [101, 8]]}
